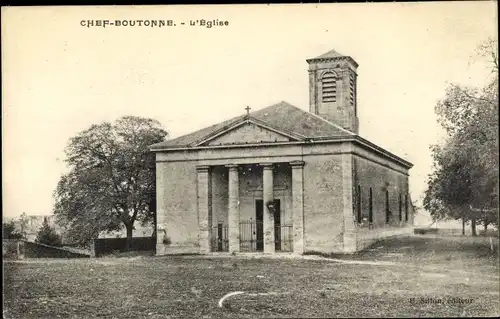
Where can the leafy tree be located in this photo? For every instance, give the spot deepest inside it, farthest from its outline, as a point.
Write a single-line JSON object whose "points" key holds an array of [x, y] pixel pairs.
{"points": [[111, 183], [47, 235], [9, 231], [464, 181]]}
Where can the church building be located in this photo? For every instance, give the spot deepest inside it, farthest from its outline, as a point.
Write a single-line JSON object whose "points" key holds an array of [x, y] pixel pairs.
{"points": [[281, 179]]}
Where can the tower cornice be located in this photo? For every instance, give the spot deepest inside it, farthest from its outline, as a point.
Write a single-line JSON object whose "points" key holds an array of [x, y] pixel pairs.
{"points": [[332, 59]]}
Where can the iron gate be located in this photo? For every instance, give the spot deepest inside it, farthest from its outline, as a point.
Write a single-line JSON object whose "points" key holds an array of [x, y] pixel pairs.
{"points": [[252, 236], [284, 237], [220, 239]]}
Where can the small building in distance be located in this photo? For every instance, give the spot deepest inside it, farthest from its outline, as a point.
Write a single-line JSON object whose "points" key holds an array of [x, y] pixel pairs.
{"points": [[33, 223]]}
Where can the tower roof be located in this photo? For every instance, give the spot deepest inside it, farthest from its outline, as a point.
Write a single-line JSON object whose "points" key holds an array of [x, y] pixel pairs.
{"points": [[332, 55]]}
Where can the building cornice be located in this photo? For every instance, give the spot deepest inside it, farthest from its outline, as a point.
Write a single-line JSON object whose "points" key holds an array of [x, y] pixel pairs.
{"points": [[355, 139]]}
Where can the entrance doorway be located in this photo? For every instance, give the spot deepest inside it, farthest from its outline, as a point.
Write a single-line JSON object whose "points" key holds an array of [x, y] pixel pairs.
{"points": [[259, 214]]}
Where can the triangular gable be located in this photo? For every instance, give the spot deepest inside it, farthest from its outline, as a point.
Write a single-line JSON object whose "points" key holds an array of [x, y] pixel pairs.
{"points": [[248, 131], [281, 118]]}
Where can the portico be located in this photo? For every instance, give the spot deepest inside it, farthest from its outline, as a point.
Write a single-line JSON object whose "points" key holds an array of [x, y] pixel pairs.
{"points": [[257, 207]]}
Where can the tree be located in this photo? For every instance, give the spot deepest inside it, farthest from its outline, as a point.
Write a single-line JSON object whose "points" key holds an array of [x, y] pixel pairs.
{"points": [[464, 181], [9, 231], [47, 235], [111, 183]]}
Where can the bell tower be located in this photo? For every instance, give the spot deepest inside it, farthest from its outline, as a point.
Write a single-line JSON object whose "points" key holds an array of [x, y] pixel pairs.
{"points": [[332, 89]]}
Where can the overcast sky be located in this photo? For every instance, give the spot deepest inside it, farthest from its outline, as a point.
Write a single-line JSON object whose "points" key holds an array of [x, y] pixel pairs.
{"points": [[60, 77]]}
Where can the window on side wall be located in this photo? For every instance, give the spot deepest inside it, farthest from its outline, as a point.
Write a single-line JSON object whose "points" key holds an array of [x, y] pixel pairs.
{"points": [[359, 215], [387, 208], [400, 208], [406, 208], [370, 207]]}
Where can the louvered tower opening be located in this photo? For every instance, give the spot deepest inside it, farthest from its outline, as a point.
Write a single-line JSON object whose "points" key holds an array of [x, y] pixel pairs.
{"points": [[329, 84]]}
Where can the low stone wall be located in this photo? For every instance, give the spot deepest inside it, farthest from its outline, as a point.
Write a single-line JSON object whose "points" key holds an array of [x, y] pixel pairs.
{"points": [[366, 237], [34, 250], [20, 249], [11, 249]]}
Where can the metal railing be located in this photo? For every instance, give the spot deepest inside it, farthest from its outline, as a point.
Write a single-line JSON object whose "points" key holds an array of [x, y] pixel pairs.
{"points": [[284, 238], [252, 236], [220, 238]]}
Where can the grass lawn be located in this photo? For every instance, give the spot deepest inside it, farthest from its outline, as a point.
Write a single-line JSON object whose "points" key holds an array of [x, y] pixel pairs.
{"points": [[431, 270]]}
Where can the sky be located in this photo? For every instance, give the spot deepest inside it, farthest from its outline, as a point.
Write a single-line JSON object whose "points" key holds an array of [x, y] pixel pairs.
{"points": [[60, 77]]}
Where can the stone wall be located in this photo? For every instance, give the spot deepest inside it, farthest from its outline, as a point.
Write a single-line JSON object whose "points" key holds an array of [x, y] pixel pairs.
{"points": [[323, 205], [369, 175], [177, 201], [340, 112], [220, 191], [381, 176]]}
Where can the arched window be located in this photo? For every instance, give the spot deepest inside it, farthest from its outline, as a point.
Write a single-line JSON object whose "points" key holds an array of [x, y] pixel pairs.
{"points": [[329, 87]]}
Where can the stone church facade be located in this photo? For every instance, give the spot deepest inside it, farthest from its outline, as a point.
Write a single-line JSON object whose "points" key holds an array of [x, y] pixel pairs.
{"points": [[283, 179]]}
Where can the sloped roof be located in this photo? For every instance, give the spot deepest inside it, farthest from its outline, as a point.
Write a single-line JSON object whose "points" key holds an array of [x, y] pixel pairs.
{"points": [[329, 54], [332, 54], [282, 117]]}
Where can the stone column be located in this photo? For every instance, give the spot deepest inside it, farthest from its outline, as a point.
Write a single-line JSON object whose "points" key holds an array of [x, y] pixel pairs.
{"points": [[268, 218], [298, 206], [204, 209], [348, 200], [313, 107], [233, 215]]}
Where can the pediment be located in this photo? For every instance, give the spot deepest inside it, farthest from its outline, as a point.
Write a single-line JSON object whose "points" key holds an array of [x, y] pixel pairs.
{"points": [[248, 133]]}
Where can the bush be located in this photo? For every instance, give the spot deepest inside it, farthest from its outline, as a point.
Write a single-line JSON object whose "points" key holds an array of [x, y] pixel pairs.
{"points": [[47, 235], [423, 231], [10, 232], [167, 241], [419, 231]]}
